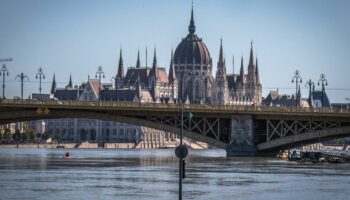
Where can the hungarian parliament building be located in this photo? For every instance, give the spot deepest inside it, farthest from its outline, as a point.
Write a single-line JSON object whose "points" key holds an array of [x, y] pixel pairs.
{"points": [[189, 80]]}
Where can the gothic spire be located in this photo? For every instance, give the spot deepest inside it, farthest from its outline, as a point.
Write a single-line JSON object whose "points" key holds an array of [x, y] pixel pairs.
{"points": [[233, 64], [221, 56], [70, 84], [192, 27], [154, 66], [120, 73], [172, 75], [257, 71], [53, 85], [138, 62], [241, 73], [251, 57]]}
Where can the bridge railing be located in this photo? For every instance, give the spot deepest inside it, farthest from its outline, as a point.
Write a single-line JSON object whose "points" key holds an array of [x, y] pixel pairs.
{"points": [[197, 107]]}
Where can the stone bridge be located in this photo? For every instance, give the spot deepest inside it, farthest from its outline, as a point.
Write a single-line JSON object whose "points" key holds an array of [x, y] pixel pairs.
{"points": [[241, 130]]}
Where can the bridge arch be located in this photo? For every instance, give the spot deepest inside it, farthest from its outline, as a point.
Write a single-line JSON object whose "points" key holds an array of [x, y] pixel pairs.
{"points": [[29, 115], [306, 138]]}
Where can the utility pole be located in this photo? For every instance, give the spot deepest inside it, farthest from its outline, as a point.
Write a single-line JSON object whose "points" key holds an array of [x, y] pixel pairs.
{"points": [[324, 83], [22, 77], [297, 79], [4, 72], [40, 75]]}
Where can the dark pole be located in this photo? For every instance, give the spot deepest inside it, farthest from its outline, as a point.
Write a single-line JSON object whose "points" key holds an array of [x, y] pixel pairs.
{"points": [[99, 73], [4, 72], [180, 159], [22, 77], [310, 84], [297, 79], [40, 75], [324, 83]]}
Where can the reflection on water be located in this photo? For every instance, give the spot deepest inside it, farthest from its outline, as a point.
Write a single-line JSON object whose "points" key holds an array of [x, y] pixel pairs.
{"points": [[149, 174]]}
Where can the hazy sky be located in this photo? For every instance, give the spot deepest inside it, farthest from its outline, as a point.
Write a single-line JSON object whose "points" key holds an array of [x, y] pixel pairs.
{"points": [[76, 36]]}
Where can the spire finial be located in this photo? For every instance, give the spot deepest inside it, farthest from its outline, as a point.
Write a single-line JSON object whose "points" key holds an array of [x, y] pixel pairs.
{"points": [[192, 27], [138, 62], [120, 72]]}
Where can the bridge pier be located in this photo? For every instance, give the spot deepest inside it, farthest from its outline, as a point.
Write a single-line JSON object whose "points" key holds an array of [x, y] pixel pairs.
{"points": [[241, 140]]}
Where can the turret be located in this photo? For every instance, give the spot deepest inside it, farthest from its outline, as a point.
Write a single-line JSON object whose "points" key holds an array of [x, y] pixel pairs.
{"points": [[138, 62], [172, 74], [70, 84], [53, 85], [120, 73], [192, 26]]}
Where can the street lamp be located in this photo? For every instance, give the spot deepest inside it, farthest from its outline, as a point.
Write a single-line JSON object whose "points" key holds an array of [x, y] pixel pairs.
{"points": [[297, 79], [99, 74], [311, 86], [324, 83], [40, 75], [4, 72], [22, 77]]}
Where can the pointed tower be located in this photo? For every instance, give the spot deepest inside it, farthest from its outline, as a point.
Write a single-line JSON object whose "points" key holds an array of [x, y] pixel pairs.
{"points": [[240, 83], [257, 79], [172, 79], [119, 78], [192, 26], [153, 78], [221, 90], [53, 85], [138, 62], [172, 75], [70, 84], [251, 73], [154, 70]]}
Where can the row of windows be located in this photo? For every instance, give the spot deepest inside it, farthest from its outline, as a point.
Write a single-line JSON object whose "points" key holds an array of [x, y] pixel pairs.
{"points": [[190, 67]]}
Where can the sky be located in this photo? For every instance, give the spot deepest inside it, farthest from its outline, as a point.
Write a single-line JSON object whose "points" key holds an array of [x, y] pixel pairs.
{"points": [[76, 36]]}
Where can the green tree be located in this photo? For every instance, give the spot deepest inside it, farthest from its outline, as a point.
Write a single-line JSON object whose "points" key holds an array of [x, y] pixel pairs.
{"points": [[17, 136], [2, 131], [45, 136], [31, 133], [25, 136], [57, 137], [7, 135]]}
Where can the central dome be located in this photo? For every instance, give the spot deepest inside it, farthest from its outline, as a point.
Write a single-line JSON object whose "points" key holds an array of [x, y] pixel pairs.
{"points": [[192, 49]]}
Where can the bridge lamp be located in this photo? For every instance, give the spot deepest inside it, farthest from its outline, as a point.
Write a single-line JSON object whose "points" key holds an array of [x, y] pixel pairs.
{"points": [[3, 72]]}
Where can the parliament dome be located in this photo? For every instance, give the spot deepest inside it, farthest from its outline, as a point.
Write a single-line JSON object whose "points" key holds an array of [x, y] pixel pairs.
{"points": [[192, 49]]}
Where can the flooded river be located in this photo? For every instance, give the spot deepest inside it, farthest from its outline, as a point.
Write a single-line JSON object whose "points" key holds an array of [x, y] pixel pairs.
{"points": [[153, 174]]}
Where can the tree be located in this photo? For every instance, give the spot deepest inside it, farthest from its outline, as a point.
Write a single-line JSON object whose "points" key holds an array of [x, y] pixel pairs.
{"points": [[17, 136], [7, 135], [45, 136], [2, 131], [31, 134], [25, 136]]}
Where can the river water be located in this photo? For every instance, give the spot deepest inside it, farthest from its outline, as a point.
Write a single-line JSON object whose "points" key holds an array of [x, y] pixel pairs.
{"points": [[153, 174]]}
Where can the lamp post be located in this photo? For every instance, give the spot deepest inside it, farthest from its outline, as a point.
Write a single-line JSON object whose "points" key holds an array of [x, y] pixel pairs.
{"points": [[22, 77], [297, 79], [4, 72], [324, 83], [311, 85], [99, 74], [40, 75]]}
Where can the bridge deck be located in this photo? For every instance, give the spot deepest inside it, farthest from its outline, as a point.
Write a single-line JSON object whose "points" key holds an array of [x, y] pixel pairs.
{"points": [[257, 111]]}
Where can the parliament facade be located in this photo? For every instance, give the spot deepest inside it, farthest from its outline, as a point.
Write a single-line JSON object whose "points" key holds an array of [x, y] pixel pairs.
{"points": [[189, 80]]}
